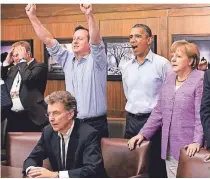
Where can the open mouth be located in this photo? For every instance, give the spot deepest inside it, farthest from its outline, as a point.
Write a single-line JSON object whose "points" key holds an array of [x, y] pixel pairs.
{"points": [[134, 47]]}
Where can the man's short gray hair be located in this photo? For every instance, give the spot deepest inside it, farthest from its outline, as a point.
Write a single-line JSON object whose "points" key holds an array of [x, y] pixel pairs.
{"points": [[65, 98]]}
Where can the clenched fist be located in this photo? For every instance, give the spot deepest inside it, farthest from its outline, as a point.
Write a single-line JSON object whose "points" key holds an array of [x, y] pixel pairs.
{"points": [[30, 10], [86, 8]]}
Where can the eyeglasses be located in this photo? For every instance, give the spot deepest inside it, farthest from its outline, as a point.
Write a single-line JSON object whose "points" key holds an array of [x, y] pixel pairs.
{"points": [[55, 114]]}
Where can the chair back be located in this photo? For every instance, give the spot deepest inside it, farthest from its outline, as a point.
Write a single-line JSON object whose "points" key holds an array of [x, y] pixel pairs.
{"points": [[120, 162], [194, 167], [20, 145]]}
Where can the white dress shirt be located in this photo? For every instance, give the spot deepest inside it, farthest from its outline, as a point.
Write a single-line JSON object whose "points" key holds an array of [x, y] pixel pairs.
{"points": [[142, 82]]}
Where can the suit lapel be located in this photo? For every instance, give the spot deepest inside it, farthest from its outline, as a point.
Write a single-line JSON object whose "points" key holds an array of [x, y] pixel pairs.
{"points": [[11, 76], [72, 146], [32, 64], [55, 142]]}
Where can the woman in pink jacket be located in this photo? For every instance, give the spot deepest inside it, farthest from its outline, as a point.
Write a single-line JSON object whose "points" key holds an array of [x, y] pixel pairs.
{"points": [[177, 110]]}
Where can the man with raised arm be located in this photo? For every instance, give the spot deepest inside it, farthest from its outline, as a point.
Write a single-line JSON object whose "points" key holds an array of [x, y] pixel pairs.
{"points": [[85, 68]]}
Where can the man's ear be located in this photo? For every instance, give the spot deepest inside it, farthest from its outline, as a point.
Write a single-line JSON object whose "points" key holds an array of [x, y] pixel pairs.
{"points": [[71, 115], [29, 54], [149, 40]]}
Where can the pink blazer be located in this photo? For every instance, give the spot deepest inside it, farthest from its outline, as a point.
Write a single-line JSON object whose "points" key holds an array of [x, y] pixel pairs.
{"points": [[178, 113]]}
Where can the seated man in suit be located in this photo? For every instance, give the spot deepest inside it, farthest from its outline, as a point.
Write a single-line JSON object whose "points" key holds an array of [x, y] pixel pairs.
{"points": [[73, 148]]}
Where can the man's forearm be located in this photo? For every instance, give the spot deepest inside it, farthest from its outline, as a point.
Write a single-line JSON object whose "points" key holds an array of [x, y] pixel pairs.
{"points": [[42, 32], [93, 29]]}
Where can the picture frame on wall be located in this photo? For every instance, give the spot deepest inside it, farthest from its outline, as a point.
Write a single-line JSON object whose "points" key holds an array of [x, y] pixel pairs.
{"points": [[202, 42], [6, 45], [55, 71], [119, 51]]}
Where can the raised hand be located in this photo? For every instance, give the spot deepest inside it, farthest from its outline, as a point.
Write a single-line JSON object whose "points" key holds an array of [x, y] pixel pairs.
{"points": [[30, 10], [9, 59], [19, 53], [86, 8]]}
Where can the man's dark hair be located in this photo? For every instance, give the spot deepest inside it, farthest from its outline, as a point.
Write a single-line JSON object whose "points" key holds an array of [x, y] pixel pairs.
{"points": [[145, 27], [82, 28]]}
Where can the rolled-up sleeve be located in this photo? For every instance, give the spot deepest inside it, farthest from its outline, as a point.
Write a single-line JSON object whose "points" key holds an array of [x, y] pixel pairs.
{"points": [[60, 53], [99, 55]]}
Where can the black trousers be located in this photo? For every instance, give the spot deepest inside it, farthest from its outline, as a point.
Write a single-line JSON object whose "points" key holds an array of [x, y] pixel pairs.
{"points": [[99, 123], [157, 167], [20, 122]]}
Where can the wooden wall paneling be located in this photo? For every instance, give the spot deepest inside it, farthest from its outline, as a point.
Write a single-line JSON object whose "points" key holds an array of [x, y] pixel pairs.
{"points": [[11, 32], [115, 99], [189, 11], [63, 30], [48, 10], [123, 27], [162, 40], [54, 85], [197, 25], [131, 15], [37, 48]]}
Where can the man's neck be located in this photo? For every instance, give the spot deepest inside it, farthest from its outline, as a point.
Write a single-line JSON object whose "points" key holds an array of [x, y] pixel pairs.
{"points": [[140, 58], [79, 56], [29, 60], [64, 131]]}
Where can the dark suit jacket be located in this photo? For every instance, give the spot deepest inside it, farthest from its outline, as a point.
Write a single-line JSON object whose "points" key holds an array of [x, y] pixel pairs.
{"points": [[205, 107], [6, 102], [84, 158], [33, 84]]}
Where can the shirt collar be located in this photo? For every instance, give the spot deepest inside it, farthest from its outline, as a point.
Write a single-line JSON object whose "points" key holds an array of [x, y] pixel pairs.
{"points": [[82, 59], [68, 133], [149, 57], [30, 61]]}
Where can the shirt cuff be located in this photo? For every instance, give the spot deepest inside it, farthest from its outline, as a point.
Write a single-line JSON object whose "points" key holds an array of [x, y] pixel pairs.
{"points": [[99, 46], [53, 50], [6, 63], [27, 169], [63, 174], [1, 81], [22, 60]]}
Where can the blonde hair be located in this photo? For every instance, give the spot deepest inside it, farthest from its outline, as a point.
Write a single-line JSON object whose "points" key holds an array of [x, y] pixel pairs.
{"points": [[190, 49], [65, 98], [24, 44]]}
